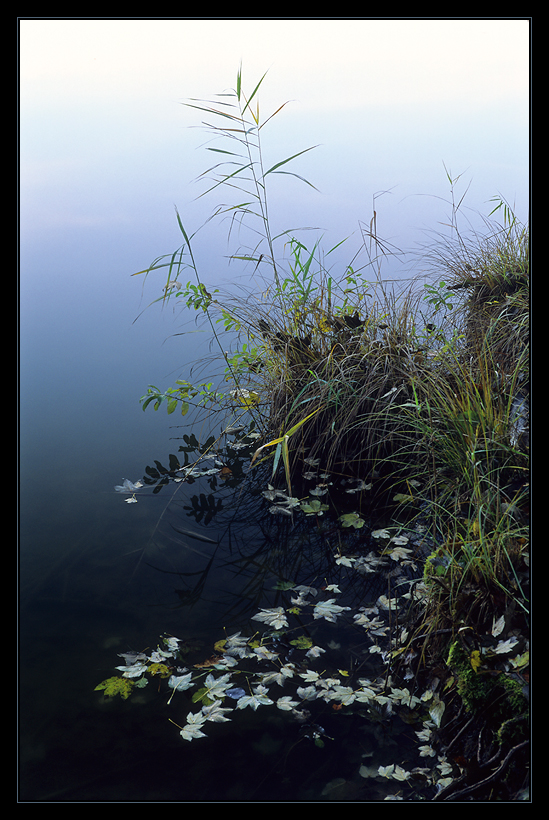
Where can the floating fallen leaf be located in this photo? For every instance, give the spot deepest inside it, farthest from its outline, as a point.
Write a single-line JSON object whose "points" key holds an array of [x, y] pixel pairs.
{"points": [[272, 617], [329, 610], [402, 498], [128, 486], [116, 686], [381, 534], [387, 603], [352, 520], [259, 698], [276, 510], [159, 669], [180, 682]]}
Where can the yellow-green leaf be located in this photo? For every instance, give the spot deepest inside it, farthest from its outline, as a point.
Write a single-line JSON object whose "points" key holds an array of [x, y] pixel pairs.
{"points": [[475, 659], [116, 686], [159, 669], [302, 642]]}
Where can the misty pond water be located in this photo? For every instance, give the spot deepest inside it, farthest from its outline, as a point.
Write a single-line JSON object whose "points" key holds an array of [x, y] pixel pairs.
{"points": [[194, 559]]}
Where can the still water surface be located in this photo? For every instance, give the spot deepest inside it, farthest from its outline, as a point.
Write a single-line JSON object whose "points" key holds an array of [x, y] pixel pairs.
{"points": [[99, 576], [196, 561]]}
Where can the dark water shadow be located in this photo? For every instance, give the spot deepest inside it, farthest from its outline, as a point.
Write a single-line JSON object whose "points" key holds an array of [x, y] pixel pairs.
{"points": [[204, 557]]}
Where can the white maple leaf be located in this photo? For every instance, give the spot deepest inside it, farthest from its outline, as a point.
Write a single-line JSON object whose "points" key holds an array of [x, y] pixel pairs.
{"points": [[329, 610], [309, 676], [344, 560], [128, 486], [307, 692], [381, 534], [505, 646], [272, 617], [387, 603], [399, 553], [315, 652], [344, 694], [400, 774], [194, 726], [216, 687], [159, 656], [172, 644], [386, 771], [181, 682], [286, 704], [134, 671], [263, 653], [405, 697], [215, 713], [279, 677], [259, 698]]}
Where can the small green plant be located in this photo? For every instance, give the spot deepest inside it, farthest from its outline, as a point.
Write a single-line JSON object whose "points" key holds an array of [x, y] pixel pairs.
{"points": [[438, 296]]}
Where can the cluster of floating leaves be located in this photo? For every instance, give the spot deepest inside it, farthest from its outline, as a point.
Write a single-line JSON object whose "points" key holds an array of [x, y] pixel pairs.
{"points": [[272, 660], [263, 664]]}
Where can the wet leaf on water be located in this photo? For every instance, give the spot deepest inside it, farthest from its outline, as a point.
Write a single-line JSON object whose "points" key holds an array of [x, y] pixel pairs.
{"points": [[194, 726], [302, 642], [116, 686], [132, 657], [387, 603], [273, 617], [235, 693], [360, 486], [352, 520], [381, 534], [329, 610], [259, 698], [180, 682], [159, 669], [314, 507], [128, 486], [402, 498], [133, 671], [276, 510], [284, 585]]}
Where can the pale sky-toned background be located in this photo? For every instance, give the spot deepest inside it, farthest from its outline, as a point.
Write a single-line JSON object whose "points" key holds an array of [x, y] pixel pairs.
{"points": [[104, 139], [107, 151]]}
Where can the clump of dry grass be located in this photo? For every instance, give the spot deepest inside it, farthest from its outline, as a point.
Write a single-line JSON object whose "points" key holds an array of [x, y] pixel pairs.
{"points": [[393, 386]]}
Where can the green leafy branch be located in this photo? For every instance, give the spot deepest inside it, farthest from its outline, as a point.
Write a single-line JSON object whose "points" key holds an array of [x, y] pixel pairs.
{"points": [[438, 296], [174, 396]]}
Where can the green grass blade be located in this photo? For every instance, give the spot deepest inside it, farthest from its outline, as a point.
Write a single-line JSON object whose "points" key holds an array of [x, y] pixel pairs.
{"points": [[288, 159], [254, 92]]}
